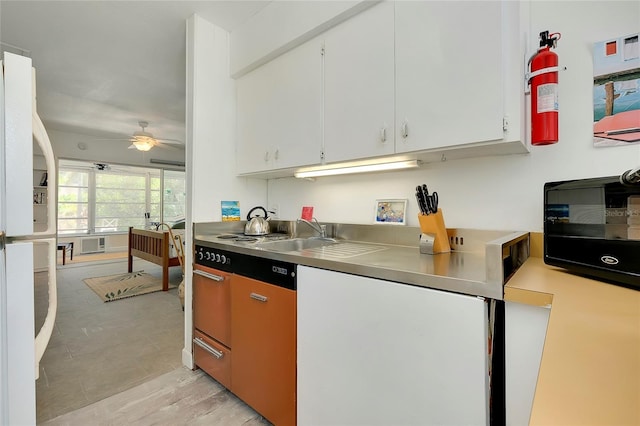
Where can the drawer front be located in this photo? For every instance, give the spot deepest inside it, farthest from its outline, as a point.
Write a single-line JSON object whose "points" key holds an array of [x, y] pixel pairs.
{"points": [[213, 358], [212, 303]]}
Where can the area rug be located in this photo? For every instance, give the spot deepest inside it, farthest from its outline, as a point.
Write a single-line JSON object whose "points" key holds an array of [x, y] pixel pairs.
{"points": [[96, 257], [120, 286]]}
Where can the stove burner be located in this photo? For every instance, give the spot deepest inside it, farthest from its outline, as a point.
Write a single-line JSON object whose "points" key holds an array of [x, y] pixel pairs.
{"points": [[252, 239], [228, 237]]}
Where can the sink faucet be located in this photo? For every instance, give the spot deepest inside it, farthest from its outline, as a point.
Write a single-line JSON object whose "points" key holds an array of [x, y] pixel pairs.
{"points": [[320, 229]]}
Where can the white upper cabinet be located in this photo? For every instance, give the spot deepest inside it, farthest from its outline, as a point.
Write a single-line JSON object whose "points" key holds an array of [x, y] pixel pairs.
{"points": [[419, 77], [358, 91], [449, 74], [279, 112]]}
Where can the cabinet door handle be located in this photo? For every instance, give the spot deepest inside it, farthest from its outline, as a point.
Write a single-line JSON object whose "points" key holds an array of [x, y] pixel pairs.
{"points": [[258, 297], [213, 277], [404, 129], [266, 156], [198, 341], [276, 154], [383, 134]]}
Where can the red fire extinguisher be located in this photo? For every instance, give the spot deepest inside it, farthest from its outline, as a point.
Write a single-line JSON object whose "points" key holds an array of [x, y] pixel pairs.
{"points": [[543, 77]]}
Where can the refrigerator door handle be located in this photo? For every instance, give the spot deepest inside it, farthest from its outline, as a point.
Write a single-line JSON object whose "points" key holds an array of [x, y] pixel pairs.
{"points": [[42, 339], [40, 135]]}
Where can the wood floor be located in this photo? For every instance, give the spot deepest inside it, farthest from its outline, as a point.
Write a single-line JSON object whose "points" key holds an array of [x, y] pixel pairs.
{"points": [[120, 363], [179, 397]]}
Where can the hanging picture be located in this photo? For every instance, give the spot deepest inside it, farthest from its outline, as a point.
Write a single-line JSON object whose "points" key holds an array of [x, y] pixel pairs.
{"points": [[616, 91], [230, 211]]}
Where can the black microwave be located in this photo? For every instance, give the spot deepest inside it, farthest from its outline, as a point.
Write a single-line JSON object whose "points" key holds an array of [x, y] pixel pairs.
{"points": [[592, 227]]}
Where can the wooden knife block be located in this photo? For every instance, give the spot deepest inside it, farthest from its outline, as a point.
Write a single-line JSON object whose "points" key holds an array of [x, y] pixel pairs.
{"points": [[433, 225]]}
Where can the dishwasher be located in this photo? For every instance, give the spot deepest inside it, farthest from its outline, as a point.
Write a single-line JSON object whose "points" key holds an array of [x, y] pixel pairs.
{"points": [[245, 328]]}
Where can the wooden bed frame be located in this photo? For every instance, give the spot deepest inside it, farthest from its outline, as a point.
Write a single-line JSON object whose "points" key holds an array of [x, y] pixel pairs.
{"points": [[152, 246]]}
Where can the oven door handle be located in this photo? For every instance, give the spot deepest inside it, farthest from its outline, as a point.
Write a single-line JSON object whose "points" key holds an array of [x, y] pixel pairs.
{"points": [[213, 277], [198, 341]]}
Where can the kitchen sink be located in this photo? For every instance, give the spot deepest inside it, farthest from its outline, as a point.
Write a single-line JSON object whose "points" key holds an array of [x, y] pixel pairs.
{"points": [[296, 244]]}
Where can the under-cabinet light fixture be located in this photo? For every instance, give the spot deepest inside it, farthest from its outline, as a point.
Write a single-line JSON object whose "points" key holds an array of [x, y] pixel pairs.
{"points": [[362, 168]]}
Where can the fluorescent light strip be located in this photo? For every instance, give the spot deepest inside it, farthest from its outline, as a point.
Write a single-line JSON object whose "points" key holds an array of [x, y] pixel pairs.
{"points": [[365, 168]]}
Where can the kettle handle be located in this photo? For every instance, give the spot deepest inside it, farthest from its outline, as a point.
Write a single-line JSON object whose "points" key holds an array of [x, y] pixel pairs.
{"points": [[266, 215]]}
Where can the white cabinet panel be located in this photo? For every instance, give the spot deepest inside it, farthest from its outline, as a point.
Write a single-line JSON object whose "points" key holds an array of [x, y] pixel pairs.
{"points": [[359, 86], [525, 332], [280, 112], [448, 73], [380, 353]]}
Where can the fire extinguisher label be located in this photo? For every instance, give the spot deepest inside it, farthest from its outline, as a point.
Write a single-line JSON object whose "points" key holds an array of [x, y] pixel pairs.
{"points": [[548, 97]]}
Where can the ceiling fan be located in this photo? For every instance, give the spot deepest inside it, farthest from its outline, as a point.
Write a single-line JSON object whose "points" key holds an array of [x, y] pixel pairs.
{"points": [[144, 141]]}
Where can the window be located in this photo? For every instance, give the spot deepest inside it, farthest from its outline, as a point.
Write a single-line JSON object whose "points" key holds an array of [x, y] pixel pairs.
{"points": [[631, 48], [174, 196], [121, 201], [73, 202], [94, 201]]}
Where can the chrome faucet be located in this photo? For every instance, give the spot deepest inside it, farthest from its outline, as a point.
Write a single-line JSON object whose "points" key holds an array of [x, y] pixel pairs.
{"points": [[320, 229]]}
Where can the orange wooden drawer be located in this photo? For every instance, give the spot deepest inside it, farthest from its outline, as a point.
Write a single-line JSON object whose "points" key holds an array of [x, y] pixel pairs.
{"points": [[212, 303], [213, 357]]}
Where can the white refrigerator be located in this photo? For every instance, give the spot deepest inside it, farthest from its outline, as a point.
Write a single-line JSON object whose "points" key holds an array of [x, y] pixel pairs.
{"points": [[21, 346]]}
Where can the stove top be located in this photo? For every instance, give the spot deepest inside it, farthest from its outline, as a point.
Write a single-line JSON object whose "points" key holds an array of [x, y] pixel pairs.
{"points": [[242, 238]]}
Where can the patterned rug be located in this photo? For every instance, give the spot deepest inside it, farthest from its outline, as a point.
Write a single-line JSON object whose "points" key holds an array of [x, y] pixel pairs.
{"points": [[121, 286]]}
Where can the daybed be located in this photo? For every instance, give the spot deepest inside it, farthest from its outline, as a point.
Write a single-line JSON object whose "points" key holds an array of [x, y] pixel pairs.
{"points": [[155, 247]]}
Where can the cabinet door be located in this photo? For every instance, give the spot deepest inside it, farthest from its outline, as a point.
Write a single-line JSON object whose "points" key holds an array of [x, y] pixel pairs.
{"points": [[359, 80], [212, 303], [264, 348], [279, 112], [448, 73], [373, 352]]}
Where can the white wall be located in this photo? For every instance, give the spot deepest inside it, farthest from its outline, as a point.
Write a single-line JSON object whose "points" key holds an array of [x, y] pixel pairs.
{"points": [[65, 145], [499, 192], [212, 98], [210, 154]]}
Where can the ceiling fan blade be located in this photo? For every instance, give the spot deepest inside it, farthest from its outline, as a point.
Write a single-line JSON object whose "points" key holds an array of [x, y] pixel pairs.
{"points": [[166, 146], [132, 146], [170, 141]]}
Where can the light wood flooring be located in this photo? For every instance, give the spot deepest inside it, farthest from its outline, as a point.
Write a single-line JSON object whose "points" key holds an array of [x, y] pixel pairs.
{"points": [[180, 397], [100, 350]]}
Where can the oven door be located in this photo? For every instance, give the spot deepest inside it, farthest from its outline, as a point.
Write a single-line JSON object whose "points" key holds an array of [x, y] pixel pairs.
{"points": [[212, 303]]}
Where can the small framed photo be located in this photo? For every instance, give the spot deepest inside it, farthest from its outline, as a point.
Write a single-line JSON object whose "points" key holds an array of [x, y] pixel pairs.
{"points": [[391, 212]]}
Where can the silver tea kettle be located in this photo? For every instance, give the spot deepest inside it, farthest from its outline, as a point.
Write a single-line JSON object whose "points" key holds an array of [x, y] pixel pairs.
{"points": [[257, 225]]}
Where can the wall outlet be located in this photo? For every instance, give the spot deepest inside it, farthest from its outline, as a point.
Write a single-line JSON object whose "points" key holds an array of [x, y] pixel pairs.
{"points": [[274, 210]]}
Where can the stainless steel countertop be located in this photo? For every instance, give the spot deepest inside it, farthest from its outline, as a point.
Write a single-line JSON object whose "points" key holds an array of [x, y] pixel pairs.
{"points": [[476, 269]]}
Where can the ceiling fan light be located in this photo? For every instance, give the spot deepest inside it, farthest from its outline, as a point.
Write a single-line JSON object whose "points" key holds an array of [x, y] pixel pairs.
{"points": [[143, 145]]}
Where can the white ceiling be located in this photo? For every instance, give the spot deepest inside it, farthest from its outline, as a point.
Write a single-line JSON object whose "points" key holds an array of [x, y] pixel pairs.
{"points": [[104, 65]]}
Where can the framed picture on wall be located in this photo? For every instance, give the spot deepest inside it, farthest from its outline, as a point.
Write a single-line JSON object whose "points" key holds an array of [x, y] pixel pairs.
{"points": [[391, 212], [616, 91]]}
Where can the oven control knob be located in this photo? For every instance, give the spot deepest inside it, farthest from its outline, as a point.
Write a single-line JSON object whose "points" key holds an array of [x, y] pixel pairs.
{"points": [[200, 255], [208, 255], [217, 258], [223, 258]]}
